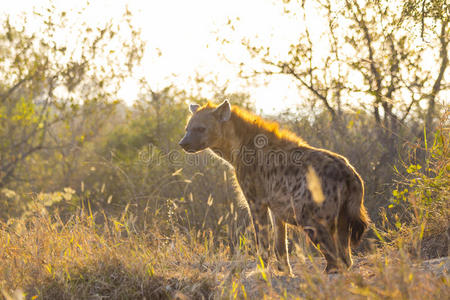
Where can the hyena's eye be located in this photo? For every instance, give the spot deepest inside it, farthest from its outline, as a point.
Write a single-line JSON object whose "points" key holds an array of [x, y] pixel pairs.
{"points": [[199, 129]]}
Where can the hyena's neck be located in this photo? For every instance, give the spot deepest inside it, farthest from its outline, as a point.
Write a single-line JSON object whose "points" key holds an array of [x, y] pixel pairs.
{"points": [[229, 144], [239, 135]]}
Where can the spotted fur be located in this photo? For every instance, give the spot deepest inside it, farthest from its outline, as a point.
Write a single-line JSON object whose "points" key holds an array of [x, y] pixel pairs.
{"points": [[301, 185]]}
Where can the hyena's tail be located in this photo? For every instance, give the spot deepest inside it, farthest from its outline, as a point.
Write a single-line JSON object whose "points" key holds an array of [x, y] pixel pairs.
{"points": [[358, 219]]}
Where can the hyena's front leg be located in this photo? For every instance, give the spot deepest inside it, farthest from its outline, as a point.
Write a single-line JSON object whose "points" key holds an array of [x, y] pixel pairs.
{"points": [[260, 217], [281, 245], [321, 236]]}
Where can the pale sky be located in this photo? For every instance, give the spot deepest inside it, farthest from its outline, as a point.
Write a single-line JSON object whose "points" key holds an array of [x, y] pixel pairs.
{"points": [[185, 33]]}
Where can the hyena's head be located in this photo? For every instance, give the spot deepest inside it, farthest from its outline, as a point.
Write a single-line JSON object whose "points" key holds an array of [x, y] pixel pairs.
{"points": [[203, 129]]}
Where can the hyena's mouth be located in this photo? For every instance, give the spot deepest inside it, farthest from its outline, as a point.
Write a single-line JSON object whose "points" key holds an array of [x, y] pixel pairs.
{"points": [[195, 149], [190, 150]]}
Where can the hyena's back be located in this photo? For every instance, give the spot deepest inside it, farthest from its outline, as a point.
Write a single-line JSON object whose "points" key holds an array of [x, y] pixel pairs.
{"points": [[319, 186]]}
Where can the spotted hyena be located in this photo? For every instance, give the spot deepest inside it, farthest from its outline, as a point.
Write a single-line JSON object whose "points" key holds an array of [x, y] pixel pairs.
{"points": [[304, 186]]}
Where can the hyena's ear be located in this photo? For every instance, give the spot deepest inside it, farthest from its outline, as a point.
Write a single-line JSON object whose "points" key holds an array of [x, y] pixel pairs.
{"points": [[193, 107], [223, 111]]}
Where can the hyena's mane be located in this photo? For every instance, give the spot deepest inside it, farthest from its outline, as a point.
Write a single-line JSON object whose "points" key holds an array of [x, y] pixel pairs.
{"points": [[248, 125]]}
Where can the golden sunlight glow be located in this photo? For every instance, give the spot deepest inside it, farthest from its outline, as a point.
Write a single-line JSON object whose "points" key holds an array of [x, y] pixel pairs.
{"points": [[314, 186], [187, 39], [181, 41]]}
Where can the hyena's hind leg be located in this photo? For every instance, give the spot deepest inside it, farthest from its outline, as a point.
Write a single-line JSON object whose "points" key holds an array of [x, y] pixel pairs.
{"points": [[260, 218], [281, 245], [322, 237], [343, 233]]}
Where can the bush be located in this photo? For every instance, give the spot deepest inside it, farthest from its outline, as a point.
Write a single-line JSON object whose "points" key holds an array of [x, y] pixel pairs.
{"points": [[420, 208]]}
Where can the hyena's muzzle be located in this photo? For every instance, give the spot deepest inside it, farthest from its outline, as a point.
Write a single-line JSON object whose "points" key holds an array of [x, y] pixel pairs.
{"points": [[192, 142]]}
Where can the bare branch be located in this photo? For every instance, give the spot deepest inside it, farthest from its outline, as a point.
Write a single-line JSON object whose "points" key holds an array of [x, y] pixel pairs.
{"points": [[443, 38]]}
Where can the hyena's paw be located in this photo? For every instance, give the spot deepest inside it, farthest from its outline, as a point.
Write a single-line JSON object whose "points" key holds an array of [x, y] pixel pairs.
{"points": [[284, 268], [332, 269]]}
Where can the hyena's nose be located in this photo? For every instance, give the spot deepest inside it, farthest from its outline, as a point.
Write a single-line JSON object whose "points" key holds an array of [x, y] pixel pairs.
{"points": [[183, 143]]}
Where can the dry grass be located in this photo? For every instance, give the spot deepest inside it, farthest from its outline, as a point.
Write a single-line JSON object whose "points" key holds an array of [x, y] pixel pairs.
{"points": [[49, 259], [42, 257]]}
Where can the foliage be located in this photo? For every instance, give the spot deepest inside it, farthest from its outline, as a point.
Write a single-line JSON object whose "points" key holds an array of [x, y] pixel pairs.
{"points": [[420, 208], [419, 10], [56, 91]]}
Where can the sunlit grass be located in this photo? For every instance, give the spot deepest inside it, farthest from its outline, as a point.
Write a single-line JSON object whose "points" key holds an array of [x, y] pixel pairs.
{"points": [[48, 258], [45, 258]]}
